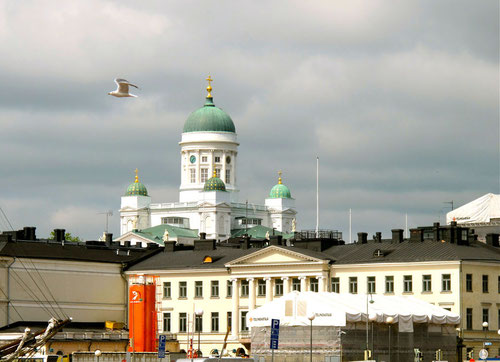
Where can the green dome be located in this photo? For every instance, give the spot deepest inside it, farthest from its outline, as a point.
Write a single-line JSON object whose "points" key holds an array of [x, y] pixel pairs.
{"points": [[280, 191], [214, 184], [209, 118], [136, 189]]}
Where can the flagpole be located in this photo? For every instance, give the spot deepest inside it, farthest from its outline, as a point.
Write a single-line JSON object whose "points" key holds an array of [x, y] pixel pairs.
{"points": [[350, 226], [317, 196]]}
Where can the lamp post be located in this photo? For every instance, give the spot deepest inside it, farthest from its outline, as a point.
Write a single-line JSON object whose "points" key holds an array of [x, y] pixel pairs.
{"points": [[373, 318], [199, 315], [485, 327], [311, 317], [367, 352], [97, 354], [389, 321]]}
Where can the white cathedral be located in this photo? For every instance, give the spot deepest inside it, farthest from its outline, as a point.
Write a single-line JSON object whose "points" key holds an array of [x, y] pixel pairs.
{"points": [[208, 193]]}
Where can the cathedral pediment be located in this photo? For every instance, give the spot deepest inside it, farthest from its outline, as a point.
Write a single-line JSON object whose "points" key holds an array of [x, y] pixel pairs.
{"points": [[274, 255]]}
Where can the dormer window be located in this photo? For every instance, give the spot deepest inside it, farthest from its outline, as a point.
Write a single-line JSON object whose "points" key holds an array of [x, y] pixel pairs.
{"points": [[207, 259], [378, 253]]}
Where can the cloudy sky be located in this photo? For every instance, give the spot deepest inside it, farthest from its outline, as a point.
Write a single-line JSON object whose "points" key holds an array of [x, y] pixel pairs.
{"points": [[400, 100]]}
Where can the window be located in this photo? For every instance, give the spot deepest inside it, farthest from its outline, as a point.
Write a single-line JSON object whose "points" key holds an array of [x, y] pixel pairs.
{"points": [[468, 318], [167, 322], [228, 176], [214, 288], [486, 317], [204, 159], [198, 323], [468, 282], [296, 284], [229, 319], [336, 285], [217, 172], [370, 284], [313, 285], [215, 322], [217, 159], [426, 283], [198, 289], [446, 282], [261, 288], [204, 175], [389, 283], [353, 285], [407, 284], [499, 290], [192, 175], [485, 284], [182, 322], [244, 288], [278, 287], [229, 289], [182, 289], [167, 291], [244, 320]]}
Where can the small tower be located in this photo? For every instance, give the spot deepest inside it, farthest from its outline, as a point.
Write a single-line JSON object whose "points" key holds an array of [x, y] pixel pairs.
{"points": [[134, 210], [215, 209], [281, 207]]}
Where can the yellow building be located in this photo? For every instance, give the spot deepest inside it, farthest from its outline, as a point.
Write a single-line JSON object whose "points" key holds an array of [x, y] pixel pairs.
{"points": [[441, 265]]}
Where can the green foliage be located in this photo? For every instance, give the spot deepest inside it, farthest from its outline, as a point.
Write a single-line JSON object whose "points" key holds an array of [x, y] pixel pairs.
{"points": [[67, 236]]}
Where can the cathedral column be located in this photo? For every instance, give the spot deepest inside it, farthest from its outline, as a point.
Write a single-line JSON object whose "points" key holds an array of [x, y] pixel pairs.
{"points": [[303, 284], [251, 294], [235, 310], [321, 283], [269, 289], [223, 169], [286, 285], [198, 167]]}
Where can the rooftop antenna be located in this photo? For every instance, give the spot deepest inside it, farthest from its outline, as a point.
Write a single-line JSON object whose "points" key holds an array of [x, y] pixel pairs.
{"points": [[107, 213], [450, 203]]}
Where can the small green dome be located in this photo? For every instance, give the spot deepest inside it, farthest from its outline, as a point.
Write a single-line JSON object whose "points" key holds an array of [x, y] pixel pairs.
{"points": [[136, 189], [209, 118], [280, 191], [214, 184]]}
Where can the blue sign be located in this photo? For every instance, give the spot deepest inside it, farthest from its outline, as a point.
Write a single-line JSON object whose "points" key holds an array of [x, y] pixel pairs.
{"points": [[162, 341], [275, 333]]}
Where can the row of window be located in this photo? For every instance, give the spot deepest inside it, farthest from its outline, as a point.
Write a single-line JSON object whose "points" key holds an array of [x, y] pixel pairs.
{"points": [[204, 175], [485, 318], [485, 283], [244, 289], [314, 286], [389, 284], [198, 322]]}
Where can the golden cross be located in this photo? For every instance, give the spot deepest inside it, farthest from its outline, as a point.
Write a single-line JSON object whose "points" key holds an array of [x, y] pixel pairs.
{"points": [[279, 178], [136, 175], [209, 88]]}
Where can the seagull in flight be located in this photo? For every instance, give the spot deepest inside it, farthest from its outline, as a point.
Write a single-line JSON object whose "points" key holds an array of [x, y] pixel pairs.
{"points": [[122, 89]]}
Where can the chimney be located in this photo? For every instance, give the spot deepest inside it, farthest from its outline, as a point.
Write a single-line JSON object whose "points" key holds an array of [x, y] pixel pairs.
{"points": [[169, 246], [59, 235], [275, 239], [493, 240], [397, 236], [204, 244], [108, 238], [416, 235], [245, 242], [203, 236], [435, 229], [362, 238], [378, 237]]}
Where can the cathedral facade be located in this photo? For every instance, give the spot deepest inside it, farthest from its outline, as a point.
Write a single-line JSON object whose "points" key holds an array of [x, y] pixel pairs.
{"points": [[208, 193]]}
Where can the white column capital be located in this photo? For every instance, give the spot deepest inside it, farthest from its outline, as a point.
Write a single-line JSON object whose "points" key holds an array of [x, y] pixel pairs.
{"points": [[285, 278], [267, 278], [320, 277], [250, 279], [301, 277]]}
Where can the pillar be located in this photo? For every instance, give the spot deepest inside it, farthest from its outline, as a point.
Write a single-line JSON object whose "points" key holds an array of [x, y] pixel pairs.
{"points": [[286, 285], [303, 284], [322, 283], [235, 310], [251, 294], [269, 289]]}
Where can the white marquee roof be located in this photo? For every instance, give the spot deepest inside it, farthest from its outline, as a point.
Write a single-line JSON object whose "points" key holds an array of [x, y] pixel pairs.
{"points": [[481, 210], [333, 309]]}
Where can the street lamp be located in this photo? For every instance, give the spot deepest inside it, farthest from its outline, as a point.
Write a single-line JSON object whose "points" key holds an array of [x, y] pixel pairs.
{"points": [[367, 352], [199, 315], [389, 321], [485, 327], [373, 318], [311, 317], [98, 354]]}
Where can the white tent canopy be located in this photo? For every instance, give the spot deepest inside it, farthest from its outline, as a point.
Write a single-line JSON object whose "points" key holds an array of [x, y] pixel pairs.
{"points": [[333, 309], [481, 210]]}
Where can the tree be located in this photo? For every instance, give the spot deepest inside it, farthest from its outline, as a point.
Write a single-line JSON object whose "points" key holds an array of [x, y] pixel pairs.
{"points": [[67, 237]]}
